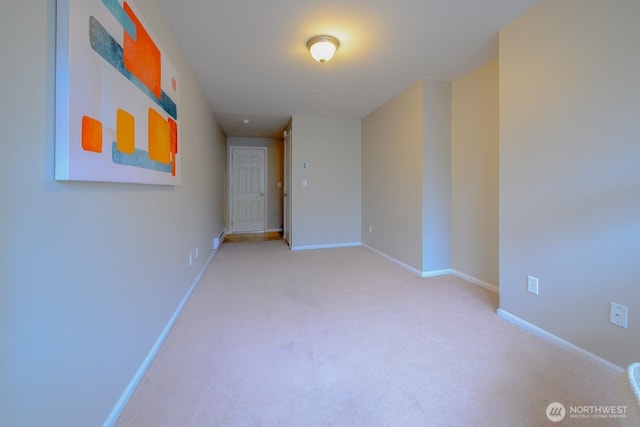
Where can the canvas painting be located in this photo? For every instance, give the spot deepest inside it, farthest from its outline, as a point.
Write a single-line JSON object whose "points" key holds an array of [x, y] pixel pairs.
{"points": [[117, 97]]}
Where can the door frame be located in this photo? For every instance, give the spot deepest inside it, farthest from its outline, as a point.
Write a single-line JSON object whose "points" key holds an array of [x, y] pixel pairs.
{"points": [[286, 208], [230, 151]]}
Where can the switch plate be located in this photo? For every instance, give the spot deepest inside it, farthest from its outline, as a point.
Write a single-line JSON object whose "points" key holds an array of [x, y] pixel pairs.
{"points": [[619, 315], [532, 285], [305, 183]]}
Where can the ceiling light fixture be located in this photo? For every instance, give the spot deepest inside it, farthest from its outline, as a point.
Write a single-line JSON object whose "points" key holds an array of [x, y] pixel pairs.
{"points": [[322, 48]]}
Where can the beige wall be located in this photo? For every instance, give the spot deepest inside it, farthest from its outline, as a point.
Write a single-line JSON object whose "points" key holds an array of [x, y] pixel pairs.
{"points": [[474, 164], [90, 273], [327, 211], [392, 177], [436, 177], [570, 171], [406, 176], [275, 175]]}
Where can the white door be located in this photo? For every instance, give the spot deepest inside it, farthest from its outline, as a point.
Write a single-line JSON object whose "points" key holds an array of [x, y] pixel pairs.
{"points": [[247, 187], [287, 188]]}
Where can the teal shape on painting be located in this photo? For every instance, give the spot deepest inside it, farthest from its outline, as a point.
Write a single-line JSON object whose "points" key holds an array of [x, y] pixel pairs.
{"points": [[107, 47], [119, 13], [139, 159]]}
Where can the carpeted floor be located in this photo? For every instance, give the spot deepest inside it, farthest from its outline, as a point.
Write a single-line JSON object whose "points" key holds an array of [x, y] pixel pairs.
{"points": [[343, 337]]}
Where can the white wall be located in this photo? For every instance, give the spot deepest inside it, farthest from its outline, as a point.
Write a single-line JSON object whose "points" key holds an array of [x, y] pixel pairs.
{"points": [[570, 171], [474, 164], [275, 175], [327, 211], [90, 273]]}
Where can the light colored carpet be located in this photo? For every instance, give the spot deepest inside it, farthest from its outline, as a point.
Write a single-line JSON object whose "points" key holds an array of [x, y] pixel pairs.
{"points": [[343, 337]]}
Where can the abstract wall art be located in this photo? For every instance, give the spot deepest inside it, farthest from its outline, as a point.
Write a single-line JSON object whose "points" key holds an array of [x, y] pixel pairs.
{"points": [[117, 97]]}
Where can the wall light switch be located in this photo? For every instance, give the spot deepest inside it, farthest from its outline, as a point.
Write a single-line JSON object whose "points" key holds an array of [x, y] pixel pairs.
{"points": [[532, 285], [305, 183]]}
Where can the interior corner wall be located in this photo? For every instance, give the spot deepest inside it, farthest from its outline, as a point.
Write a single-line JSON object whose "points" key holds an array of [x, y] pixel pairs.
{"points": [[90, 273], [569, 171], [436, 177], [325, 212], [474, 174], [392, 146], [275, 175]]}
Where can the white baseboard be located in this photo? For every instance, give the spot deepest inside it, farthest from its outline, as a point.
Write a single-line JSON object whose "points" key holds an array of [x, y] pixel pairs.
{"points": [[122, 402], [475, 281], [529, 327], [393, 260], [333, 245], [407, 267], [434, 273]]}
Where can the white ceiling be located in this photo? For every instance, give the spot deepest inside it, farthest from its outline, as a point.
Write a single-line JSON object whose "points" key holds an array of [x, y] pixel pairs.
{"points": [[251, 59]]}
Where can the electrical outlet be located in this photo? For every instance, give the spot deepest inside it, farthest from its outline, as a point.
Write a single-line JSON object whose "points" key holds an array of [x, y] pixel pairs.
{"points": [[197, 252], [619, 315], [371, 229], [190, 259], [532, 285]]}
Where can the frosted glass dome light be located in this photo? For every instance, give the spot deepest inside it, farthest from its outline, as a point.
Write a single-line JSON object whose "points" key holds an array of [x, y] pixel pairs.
{"points": [[322, 48]]}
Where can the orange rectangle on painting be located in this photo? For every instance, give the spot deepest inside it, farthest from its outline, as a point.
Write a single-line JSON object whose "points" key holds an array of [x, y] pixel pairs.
{"points": [[91, 134], [173, 128], [142, 56], [125, 132], [159, 138]]}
